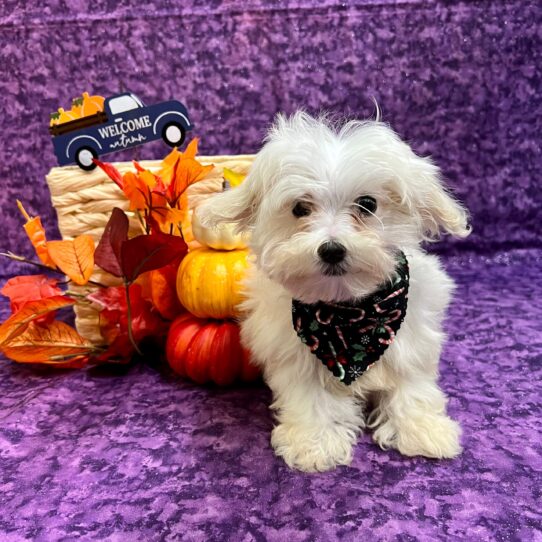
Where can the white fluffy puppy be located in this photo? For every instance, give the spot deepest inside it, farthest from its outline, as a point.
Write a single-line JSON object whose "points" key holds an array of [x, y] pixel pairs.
{"points": [[332, 212]]}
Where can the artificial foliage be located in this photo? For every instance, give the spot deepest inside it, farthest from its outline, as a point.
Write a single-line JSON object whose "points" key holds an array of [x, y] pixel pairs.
{"points": [[164, 290], [128, 312]]}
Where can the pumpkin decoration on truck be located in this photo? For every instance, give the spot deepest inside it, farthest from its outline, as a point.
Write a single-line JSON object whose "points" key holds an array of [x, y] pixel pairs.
{"points": [[95, 126]]}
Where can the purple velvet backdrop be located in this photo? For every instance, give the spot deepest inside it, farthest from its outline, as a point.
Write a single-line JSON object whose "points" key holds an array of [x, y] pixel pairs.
{"points": [[142, 456]]}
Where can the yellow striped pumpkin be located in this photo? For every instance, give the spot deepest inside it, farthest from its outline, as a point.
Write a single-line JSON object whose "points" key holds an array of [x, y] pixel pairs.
{"points": [[209, 282]]}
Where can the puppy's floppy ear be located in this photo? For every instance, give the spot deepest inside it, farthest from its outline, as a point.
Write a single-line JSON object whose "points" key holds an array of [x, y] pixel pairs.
{"points": [[240, 205], [236, 206], [438, 210]]}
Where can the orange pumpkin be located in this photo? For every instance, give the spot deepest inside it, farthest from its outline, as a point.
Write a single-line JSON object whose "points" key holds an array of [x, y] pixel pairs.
{"points": [[208, 351], [163, 291], [209, 282], [65, 116], [91, 104]]}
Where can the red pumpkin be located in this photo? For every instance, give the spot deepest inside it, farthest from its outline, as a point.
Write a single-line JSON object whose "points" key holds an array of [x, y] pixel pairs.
{"points": [[208, 351]]}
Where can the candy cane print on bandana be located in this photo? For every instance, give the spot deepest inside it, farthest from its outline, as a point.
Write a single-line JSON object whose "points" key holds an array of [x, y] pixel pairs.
{"points": [[349, 338]]}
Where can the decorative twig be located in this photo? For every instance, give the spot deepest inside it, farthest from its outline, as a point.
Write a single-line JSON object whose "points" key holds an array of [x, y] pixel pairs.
{"points": [[148, 210], [147, 225], [129, 315], [22, 259], [12, 256], [141, 221], [90, 350]]}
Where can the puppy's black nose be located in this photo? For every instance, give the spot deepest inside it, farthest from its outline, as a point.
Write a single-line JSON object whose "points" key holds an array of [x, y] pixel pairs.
{"points": [[332, 252]]}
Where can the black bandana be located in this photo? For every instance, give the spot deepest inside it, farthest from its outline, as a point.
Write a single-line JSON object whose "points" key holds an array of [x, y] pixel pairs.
{"points": [[349, 338]]}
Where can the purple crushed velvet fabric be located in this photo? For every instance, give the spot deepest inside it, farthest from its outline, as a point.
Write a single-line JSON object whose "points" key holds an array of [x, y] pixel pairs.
{"points": [[143, 456]]}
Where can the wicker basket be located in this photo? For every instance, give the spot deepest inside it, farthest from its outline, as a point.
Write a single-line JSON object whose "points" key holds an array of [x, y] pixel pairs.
{"points": [[84, 200]]}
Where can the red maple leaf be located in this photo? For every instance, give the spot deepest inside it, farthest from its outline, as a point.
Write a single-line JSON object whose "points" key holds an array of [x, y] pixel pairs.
{"points": [[146, 321], [23, 289], [147, 252], [107, 255]]}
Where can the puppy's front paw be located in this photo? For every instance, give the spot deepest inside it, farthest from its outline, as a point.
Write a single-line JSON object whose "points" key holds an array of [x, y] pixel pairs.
{"points": [[313, 450], [432, 435]]}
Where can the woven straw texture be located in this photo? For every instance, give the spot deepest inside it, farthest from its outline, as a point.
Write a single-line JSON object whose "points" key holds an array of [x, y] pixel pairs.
{"points": [[84, 200]]}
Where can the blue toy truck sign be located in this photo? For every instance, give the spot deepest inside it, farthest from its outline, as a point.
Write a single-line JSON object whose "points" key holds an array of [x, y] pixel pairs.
{"points": [[124, 122]]}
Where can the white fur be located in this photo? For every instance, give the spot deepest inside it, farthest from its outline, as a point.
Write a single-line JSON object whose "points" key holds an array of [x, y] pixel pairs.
{"points": [[310, 160]]}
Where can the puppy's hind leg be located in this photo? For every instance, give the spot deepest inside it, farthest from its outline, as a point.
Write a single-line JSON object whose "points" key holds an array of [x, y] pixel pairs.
{"points": [[317, 427]]}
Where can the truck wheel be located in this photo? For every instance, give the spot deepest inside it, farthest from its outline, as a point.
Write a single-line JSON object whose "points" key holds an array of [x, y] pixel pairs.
{"points": [[84, 157], [173, 134]]}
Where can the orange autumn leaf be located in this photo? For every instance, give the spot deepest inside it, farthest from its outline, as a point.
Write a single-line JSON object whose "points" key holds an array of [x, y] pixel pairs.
{"points": [[36, 233], [191, 149], [17, 323], [168, 163], [162, 196], [52, 343], [187, 171], [167, 216], [74, 258], [149, 178], [136, 187], [175, 216], [135, 190], [143, 189]]}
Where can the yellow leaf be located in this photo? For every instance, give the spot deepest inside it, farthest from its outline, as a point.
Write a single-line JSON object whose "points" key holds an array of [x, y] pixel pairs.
{"points": [[235, 179], [46, 344], [32, 310], [74, 258]]}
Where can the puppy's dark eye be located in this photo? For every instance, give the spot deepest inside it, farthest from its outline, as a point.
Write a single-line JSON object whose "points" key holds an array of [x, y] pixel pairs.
{"points": [[301, 208], [366, 205]]}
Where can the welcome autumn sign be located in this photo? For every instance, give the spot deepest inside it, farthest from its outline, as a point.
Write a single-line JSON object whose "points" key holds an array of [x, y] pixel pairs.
{"points": [[32, 334]]}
